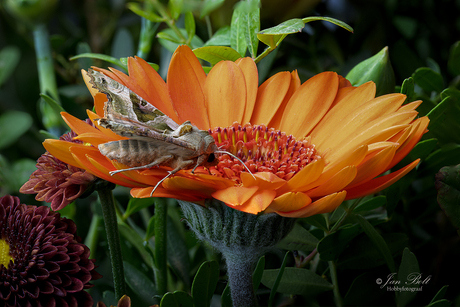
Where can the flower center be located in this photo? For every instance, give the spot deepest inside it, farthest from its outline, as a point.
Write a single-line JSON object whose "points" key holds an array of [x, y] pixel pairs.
{"points": [[261, 149], [5, 256]]}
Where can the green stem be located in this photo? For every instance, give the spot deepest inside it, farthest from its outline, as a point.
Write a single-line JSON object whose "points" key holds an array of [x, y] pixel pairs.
{"points": [[337, 296], [148, 30], [111, 228], [93, 234], [239, 271], [161, 211], [46, 75], [264, 54], [169, 21]]}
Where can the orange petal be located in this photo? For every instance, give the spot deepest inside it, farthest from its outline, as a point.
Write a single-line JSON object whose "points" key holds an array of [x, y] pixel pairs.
{"points": [[335, 183], [99, 104], [341, 94], [235, 196], [293, 86], [251, 77], [380, 183], [105, 132], [338, 114], [418, 130], [373, 165], [290, 201], [183, 185], [309, 104], [304, 178], [160, 192], [410, 106], [152, 84], [225, 92], [257, 203], [61, 150], [270, 96], [77, 125], [339, 128], [263, 180], [323, 205], [186, 80], [352, 157]]}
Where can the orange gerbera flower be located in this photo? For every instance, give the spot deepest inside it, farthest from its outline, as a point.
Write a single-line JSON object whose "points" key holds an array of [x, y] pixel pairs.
{"points": [[309, 146]]}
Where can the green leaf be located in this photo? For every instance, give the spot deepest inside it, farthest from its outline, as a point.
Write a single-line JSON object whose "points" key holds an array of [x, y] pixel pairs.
{"points": [[277, 280], [273, 36], [139, 283], [329, 19], [407, 274], [9, 59], [137, 9], [379, 242], [226, 297], [133, 237], [362, 253], [423, 149], [317, 220], [371, 204], [441, 303], [170, 40], [297, 281], [377, 69], [215, 54], [53, 104], [150, 231], [209, 6], [408, 89], [364, 291], [175, 8], [441, 293], [205, 283], [102, 57], [189, 25], [331, 246], [220, 38], [258, 272], [137, 204], [428, 80], [439, 111], [13, 124], [299, 239], [177, 253], [454, 59], [237, 32], [176, 299], [446, 155], [448, 186], [249, 23]]}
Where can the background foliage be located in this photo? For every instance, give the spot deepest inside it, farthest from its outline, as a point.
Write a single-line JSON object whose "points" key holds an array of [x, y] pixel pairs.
{"points": [[421, 39]]}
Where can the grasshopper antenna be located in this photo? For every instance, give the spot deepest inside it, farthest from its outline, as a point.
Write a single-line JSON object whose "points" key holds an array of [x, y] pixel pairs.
{"points": [[230, 154]]}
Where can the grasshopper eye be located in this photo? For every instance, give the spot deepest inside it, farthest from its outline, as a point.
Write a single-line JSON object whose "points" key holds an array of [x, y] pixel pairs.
{"points": [[211, 158]]}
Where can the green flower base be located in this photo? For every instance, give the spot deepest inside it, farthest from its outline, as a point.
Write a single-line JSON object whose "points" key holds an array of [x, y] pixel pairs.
{"points": [[242, 238]]}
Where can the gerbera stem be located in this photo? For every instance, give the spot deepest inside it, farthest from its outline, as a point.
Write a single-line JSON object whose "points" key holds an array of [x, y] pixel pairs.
{"points": [[161, 277], [239, 271], [111, 228]]}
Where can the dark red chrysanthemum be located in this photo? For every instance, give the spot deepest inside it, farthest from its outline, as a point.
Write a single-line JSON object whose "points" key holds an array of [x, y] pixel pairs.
{"points": [[57, 182], [42, 262]]}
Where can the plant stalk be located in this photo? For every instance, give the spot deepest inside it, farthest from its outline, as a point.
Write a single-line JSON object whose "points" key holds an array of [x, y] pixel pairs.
{"points": [[113, 239], [161, 277]]}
